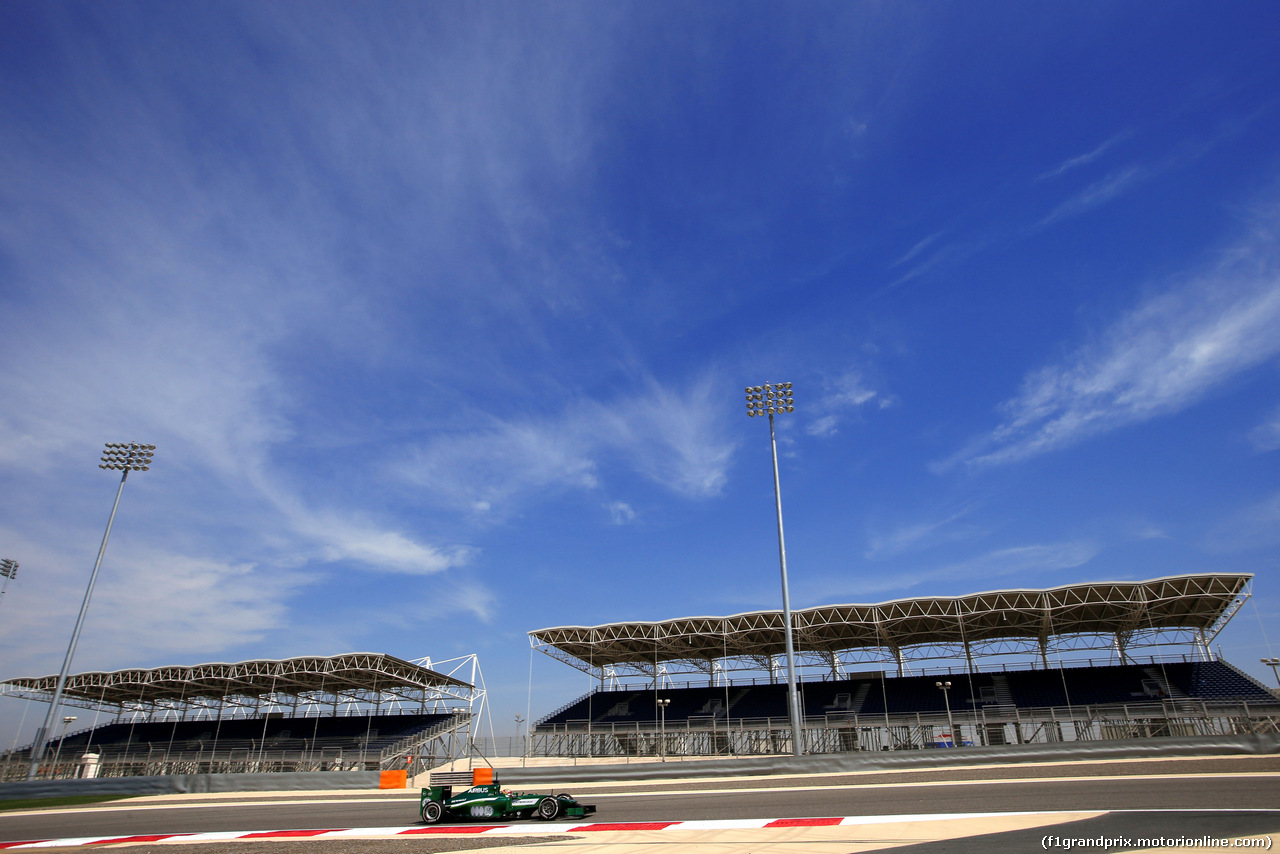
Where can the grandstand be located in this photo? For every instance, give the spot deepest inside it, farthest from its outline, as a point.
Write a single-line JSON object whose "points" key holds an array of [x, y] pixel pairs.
{"points": [[357, 711], [1046, 693]]}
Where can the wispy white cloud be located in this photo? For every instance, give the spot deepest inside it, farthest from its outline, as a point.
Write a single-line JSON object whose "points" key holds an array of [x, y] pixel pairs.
{"points": [[919, 247], [823, 426], [148, 603], [842, 393], [678, 438], [1012, 561], [1164, 355], [387, 551], [494, 468], [621, 512], [932, 255], [920, 535], [983, 572], [1097, 194], [1120, 181], [1086, 158], [1251, 527], [1145, 530], [1266, 436], [174, 284]]}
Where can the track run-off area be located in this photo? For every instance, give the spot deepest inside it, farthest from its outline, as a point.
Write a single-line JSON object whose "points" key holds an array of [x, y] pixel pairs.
{"points": [[1186, 802]]}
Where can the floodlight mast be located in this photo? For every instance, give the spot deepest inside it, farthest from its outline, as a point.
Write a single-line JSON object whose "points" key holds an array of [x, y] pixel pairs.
{"points": [[9, 569], [118, 456], [1273, 663], [769, 399], [945, 688]]}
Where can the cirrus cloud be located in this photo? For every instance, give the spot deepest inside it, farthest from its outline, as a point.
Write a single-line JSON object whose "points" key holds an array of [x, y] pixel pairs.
{"points": [[1167, 353]]}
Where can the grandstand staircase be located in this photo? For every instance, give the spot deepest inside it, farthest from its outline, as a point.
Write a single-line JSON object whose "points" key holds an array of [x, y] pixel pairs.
{"points": [[569, 705], [420, 742], [1004, 705], [1004, 696], [1171, 691], [859, 697]]}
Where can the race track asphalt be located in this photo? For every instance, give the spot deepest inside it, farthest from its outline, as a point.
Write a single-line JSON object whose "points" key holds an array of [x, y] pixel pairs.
{"points": [[1241, 793]]}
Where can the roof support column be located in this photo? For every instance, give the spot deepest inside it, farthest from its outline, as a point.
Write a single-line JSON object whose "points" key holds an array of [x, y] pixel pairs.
{"points": [[897, 657]]}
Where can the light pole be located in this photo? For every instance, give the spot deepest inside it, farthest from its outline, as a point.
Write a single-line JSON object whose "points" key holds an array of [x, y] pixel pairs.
{"points": [[118, 456], [519, 721], [66, 722], [662, 737], [1273, 663], [945, 687], [9, 569], [769, 399]]}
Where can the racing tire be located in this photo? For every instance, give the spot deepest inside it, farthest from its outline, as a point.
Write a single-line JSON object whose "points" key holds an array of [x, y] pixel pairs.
{"points": [[564, 796], [432, 812], [548, 809]]}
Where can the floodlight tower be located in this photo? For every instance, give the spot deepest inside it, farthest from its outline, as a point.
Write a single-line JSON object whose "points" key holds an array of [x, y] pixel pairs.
{"points": [[1273, 663], [9, 569], [57, 754], [118, 456], [945, 688], [662, 737], [769, 399]]}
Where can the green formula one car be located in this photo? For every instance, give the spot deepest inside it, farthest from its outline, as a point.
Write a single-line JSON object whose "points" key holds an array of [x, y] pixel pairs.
{"points": [[438, 803]]}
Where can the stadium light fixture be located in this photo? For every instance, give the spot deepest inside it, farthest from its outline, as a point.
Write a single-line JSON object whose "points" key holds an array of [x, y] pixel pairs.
{"points": [[9, 569], [662, 737], [57, 754], [775, 399], [1273, 663], [945, 688], [122, 457]]}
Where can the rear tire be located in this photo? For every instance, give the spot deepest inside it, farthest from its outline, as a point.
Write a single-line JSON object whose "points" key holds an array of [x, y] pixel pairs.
{"points": [[432, 812], [548, 809]]}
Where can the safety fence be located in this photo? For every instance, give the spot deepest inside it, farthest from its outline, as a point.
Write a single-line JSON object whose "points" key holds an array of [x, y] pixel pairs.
{"points": [[246, 756], [987, 726]]}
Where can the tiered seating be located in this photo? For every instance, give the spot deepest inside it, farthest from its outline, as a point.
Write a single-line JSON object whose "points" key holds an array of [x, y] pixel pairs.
{"points": [[1214, 680], [1099, 685], [598, 705], [1081, 686], [824, 698], [370, 732], [761, 701], [1037, 688]]}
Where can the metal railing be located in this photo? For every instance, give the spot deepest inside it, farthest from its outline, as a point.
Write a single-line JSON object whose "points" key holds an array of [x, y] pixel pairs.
{"points": [[842, 732], [240, 756], [667, 682]]}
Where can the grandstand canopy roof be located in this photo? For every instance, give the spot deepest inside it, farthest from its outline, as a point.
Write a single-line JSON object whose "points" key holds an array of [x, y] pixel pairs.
{"points": [[351, 674], [1201, 604]]}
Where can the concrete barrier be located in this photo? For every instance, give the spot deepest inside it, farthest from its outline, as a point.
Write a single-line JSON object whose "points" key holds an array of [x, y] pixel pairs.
{"points": [[172, 784]]}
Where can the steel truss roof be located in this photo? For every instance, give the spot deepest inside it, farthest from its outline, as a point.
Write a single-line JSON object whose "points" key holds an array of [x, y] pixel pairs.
{"points": [[1174, 609], [355, 676]]}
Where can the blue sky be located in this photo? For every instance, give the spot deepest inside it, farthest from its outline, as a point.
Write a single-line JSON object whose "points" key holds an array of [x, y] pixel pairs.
{"points": [[440, 315]]}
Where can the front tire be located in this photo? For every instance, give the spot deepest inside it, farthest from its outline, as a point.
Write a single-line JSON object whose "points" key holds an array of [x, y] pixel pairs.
{"points": [[432, 812], [548, 809]]}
